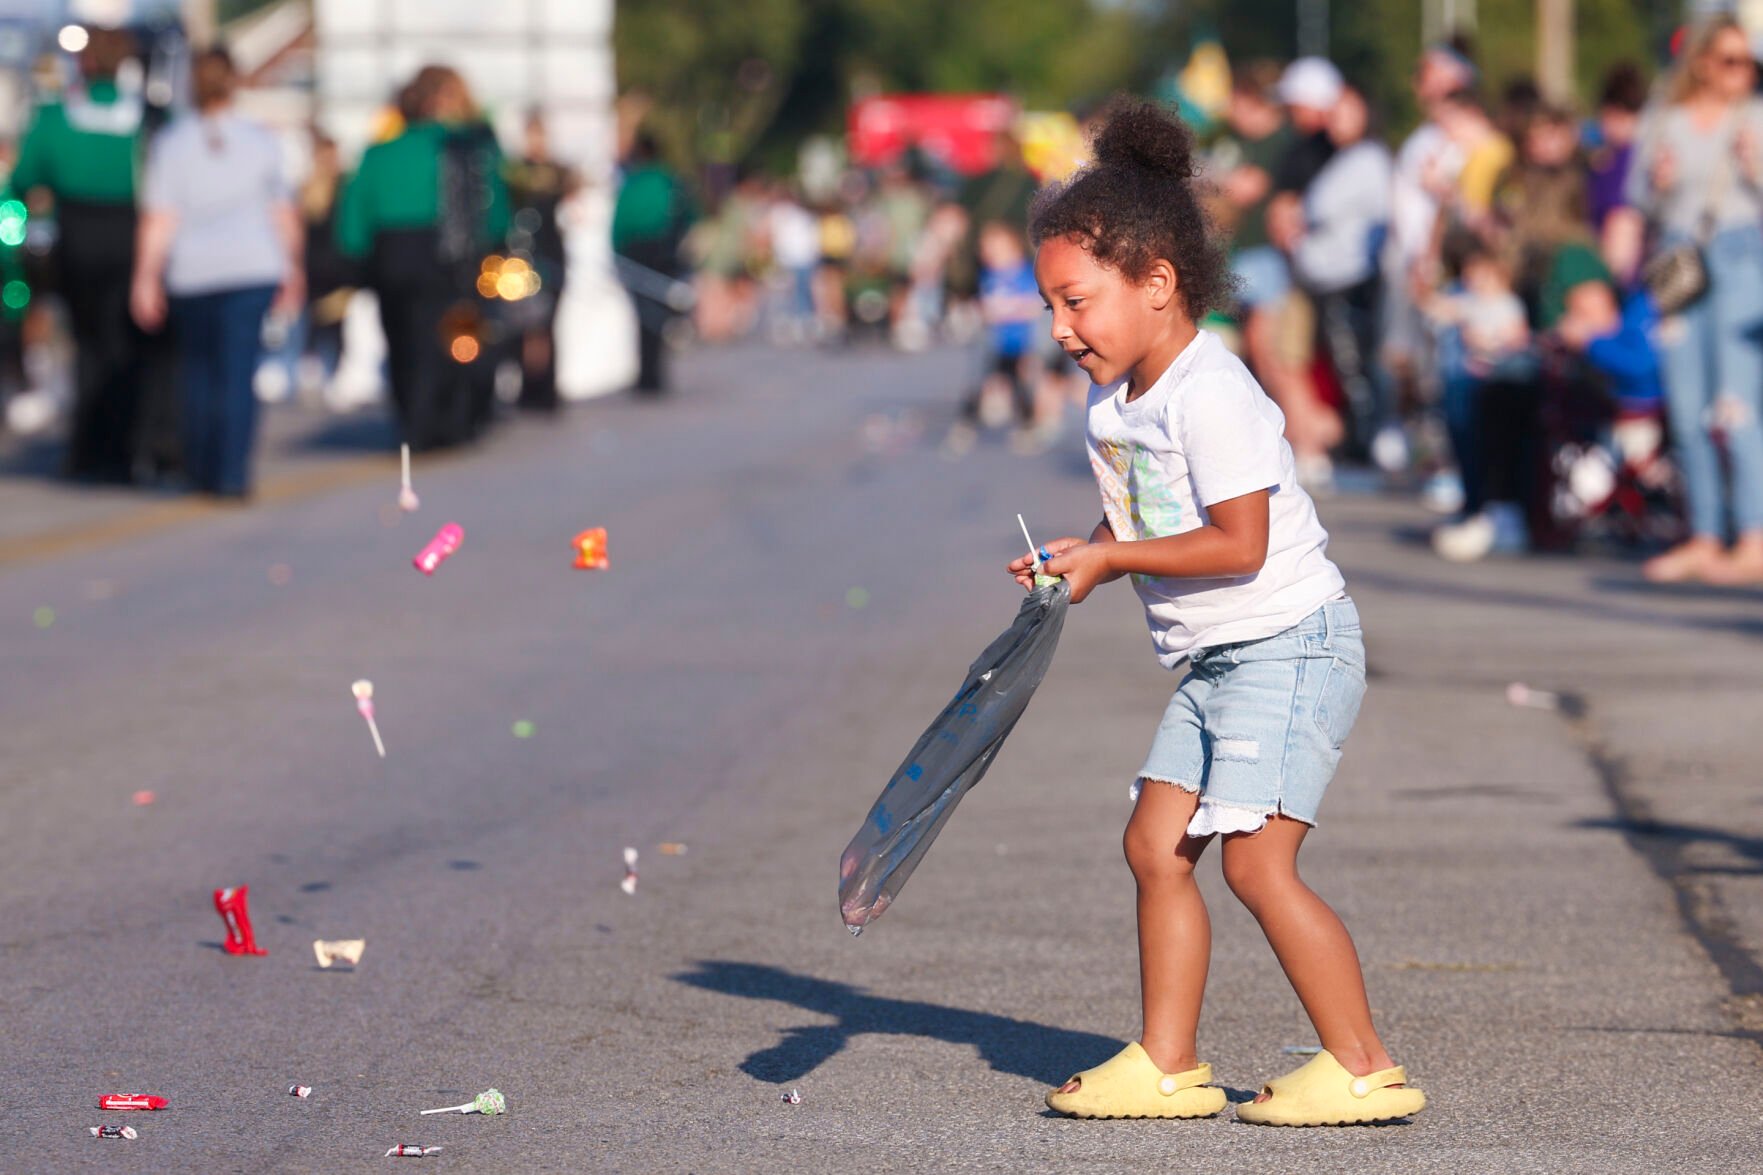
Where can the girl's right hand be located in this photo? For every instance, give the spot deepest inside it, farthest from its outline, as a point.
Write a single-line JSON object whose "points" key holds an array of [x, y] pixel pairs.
{"points": [[1023, 566]]}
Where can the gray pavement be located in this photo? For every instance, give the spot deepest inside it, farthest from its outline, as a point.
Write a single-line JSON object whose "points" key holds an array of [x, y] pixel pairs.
{"points": [[1552, 910]]}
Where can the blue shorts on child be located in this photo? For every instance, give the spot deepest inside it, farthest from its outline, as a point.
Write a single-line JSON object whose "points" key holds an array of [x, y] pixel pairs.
{"points": [[1256, 728]]}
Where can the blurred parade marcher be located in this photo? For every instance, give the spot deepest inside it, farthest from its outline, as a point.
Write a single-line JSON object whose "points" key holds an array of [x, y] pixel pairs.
{"points": [[1697, 175], [83, 151], [1335, 259], [422, 212], [219, 234], [330, 276], [537, 186], [649, 223]]}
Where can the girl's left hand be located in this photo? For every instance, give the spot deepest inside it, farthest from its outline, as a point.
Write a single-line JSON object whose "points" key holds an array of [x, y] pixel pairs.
{"points": [[1083, 566]]}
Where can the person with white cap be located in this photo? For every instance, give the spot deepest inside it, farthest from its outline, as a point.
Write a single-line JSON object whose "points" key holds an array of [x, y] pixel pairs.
{"points": [[1310, 87]]}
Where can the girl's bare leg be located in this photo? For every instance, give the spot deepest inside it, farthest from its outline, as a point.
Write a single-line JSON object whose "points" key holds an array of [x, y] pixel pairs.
{"points": [[1309, 940], [1175, 934]]}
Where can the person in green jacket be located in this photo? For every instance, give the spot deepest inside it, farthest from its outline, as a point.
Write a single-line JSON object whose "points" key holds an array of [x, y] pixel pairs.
{"points": [[82, 150], [420, 214], [649, 222]]}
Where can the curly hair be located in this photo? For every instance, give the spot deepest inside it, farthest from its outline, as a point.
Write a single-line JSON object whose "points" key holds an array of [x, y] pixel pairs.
{"points": [[1138, 202]]}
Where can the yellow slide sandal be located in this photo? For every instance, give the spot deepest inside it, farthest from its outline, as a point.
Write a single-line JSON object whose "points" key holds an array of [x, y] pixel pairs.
{"points": [[1323, 1093], [1129, 1085]]}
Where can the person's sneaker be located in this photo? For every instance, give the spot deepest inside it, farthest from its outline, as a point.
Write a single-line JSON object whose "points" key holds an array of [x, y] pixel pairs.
{"points": [[1465, 541], [1511, 534], [1389, 449], [1443, 493]]}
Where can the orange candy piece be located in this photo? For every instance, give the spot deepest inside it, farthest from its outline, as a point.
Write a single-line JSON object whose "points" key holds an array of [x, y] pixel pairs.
{"points": [[590, 549]]}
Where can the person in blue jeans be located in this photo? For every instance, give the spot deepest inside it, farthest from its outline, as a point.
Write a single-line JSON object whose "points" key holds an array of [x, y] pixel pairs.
{"points": [[220, 243], [1697, 175]]}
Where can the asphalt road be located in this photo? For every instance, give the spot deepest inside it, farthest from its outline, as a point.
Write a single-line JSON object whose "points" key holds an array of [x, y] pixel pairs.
{"points": [[798, 581]]}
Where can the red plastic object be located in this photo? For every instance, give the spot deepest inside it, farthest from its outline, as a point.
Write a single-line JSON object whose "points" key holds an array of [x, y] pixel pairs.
{"points": [[230, 903], [445, 542], [131, 1101]]}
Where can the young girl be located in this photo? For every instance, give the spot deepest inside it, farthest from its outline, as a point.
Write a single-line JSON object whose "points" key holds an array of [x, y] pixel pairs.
{"points": [[1202, 508]]}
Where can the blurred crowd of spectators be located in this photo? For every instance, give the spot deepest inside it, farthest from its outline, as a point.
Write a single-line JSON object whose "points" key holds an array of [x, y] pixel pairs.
{"points": [[1548, 322]]}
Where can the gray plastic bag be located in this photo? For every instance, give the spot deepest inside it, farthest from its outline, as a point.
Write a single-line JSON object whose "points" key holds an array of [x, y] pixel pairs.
{"points": [[950, 757]]}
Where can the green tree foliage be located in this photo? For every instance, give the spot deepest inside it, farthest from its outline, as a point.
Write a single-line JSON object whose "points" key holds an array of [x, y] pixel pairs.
{"points": [[695, 58], [716, 70]]}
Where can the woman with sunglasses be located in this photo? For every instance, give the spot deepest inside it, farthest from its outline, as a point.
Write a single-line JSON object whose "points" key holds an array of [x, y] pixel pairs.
{"points": [[1697, 177]]}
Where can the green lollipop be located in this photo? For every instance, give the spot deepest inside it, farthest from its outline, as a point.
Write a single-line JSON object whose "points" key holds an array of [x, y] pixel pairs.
{"points": [[490, 1101]]}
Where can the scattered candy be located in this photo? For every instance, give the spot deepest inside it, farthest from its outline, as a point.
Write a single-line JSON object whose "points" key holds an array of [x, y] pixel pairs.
{"points": [[524, 729], [590, 549], [412, 1151], [343, 950], [856, 598], [301, 1091], [671, 848], [112, 1132], [490, 1102], [363, 691], [794, 1097], [144, 797], [230, 904], [131, 1101], [43, 617], [445, 542], [407, 499], [629, 884]]}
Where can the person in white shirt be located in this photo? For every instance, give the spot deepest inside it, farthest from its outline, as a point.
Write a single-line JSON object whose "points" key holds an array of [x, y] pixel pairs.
{"points": [[1201, 506]]}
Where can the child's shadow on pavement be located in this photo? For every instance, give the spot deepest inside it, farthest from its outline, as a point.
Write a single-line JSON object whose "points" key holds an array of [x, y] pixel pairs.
{"points": [[1036, 1051]]}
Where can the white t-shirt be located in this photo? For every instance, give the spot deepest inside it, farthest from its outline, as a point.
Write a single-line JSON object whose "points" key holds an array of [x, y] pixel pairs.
{"points": [[1205, 433]]}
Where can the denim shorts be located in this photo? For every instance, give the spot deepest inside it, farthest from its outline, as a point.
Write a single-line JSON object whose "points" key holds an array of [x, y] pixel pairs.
{"points": [[1256, 728]]}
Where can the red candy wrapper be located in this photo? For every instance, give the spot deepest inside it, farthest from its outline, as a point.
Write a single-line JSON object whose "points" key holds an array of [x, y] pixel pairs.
{"points": [[410, 1150], [131, 1101]]}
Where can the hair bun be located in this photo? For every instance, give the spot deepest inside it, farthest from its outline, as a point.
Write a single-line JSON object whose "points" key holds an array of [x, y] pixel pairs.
{"points": [[1136, 133]]}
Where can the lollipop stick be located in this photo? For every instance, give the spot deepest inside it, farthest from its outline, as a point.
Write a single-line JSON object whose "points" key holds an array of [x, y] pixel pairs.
{"points": [[1034, 553], [373, 728], [404, 456], [450, 1109]]}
